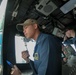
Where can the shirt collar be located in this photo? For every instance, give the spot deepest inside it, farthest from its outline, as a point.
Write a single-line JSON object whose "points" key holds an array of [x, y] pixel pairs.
{"points": [[37, 41]]}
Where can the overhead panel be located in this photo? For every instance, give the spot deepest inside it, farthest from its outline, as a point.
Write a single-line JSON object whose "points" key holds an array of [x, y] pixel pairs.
{"points": [[46, 7]]}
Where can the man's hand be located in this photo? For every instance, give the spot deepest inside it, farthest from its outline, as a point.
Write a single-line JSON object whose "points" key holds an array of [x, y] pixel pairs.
{"points": [[65, 38], [15, 71], [25, 56]]}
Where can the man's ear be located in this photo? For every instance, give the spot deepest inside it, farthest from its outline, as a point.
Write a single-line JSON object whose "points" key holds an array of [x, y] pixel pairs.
{"points": [[35, 26]]}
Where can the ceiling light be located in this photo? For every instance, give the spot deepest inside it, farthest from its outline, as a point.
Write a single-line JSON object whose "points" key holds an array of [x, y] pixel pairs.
{"points": [[68, 6]]}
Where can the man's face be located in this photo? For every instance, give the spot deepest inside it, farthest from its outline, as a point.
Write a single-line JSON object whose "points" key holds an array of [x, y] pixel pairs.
{"points": [[68, 33], [29, 31]]}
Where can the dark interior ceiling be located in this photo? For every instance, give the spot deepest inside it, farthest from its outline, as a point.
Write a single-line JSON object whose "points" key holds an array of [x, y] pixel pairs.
{"points": [[48, 16]]}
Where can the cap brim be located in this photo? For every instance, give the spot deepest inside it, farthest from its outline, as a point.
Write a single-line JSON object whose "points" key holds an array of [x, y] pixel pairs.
{"points": [[19, 27]]}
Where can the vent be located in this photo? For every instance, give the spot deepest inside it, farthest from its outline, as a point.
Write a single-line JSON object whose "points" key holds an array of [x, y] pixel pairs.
{"points": [[46, 7]]}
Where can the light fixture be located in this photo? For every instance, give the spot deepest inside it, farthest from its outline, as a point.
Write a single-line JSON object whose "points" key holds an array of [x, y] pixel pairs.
{"points": [[68, 6]]}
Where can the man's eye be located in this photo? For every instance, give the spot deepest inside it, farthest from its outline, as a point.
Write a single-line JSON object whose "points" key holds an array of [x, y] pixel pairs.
{"points": [[25, 27]]}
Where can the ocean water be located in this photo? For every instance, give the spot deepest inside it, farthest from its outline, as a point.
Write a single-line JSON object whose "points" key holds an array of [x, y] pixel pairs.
{"points": [[0, 59], [0, 38], [0, 47]]}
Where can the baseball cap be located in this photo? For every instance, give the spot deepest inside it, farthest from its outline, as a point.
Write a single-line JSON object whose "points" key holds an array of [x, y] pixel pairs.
{"points": [[19, 27]]}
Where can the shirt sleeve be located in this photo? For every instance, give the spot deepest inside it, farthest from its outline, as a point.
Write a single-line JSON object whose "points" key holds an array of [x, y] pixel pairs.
{"points": [[44, 54], [50, 58]]}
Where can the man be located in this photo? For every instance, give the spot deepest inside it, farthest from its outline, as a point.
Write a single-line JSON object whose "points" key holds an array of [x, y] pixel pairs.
{"points": [[70, 35], [47, 51], [70, 50]]}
